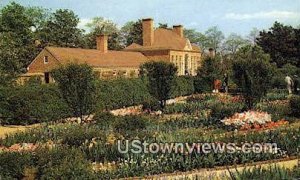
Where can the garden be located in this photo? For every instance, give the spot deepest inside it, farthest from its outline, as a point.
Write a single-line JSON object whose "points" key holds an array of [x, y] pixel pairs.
{"points": [[83, 125], [89, 150]]}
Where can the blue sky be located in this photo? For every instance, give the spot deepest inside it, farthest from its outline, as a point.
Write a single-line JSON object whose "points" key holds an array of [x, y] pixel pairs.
{"points": [[238, 16]]}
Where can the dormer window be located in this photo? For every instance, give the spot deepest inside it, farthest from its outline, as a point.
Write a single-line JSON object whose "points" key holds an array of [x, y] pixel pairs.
{"points": [[46, 60]]}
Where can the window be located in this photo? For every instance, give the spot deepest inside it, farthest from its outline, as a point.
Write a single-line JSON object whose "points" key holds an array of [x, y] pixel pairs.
{"points": [[46, 60]]}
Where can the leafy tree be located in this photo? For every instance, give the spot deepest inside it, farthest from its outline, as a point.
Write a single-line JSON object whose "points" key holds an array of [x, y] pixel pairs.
{"points": [[77, 84], [61, 29], [214, 38], [252, 72], [161, 78], [207, 74], [282, 43], [16, 41], [234, 42], [196, 37], [132, 32], [99, 26]]}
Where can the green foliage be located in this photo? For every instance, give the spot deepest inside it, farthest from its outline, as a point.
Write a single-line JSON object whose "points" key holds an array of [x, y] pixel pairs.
{"points": [[100, 26], [282, 43], [77, 85], [118, 93], [61, 29], [221, 110], [16, 42], [130, 123], [12, 164], [207, 74], [31, 104], [133, 32], [62, 163], [160, 78], [295, 105], [252, 72], [272, 172], [184, 85]]}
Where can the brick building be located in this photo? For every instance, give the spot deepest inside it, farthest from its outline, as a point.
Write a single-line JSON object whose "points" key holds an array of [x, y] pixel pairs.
{"points": [[158, 44]]}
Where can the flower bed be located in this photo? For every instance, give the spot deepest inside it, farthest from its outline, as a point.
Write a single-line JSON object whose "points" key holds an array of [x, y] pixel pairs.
{"points": [[252, 120]]}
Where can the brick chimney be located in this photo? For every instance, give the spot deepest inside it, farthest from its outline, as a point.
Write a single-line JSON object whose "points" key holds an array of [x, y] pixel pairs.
{"points": [[102, 43], [148, 32], [178, 29]]}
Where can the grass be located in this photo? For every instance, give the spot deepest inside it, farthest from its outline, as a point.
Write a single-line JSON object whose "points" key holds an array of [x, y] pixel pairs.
{"points": [[12, 129]]}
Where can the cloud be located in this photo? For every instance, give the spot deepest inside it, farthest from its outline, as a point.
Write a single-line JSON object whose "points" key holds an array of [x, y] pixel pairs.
{"points": [[264, 15]]}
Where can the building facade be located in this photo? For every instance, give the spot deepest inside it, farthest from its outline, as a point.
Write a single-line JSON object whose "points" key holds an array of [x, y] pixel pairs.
{"points": [[159, 44]]}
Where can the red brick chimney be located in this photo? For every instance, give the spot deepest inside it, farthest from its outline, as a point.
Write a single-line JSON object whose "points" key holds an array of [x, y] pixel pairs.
{"points": [[102, 43], [148, 32], [178, 29]]}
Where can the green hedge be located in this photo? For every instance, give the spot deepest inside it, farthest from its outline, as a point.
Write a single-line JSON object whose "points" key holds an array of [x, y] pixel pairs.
{"points": [[43, 103], [31, 104]]}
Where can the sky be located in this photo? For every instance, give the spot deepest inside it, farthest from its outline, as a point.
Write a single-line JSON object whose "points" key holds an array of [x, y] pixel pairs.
{"points": [[231, 16]]}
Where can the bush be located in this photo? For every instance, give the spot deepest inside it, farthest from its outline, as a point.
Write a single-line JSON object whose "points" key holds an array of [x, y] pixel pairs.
{"points": [[63, 163], [252, 73], [222, 110], [121, 92], [104, 119], [295, 106], [184, 85], [32, 104], [12, 164], [130, 123]]}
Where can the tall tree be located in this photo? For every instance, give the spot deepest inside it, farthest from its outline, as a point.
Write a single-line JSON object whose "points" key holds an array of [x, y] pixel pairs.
{"points": [[282, 43], [233, 42], [160, 78], [132, 32], [99, 26], [207, 74], [61, 29], [214, 38], [196, 37], [252, 73], [16, 41]]}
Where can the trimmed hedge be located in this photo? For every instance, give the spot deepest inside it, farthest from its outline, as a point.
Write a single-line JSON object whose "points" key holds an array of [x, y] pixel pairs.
{"points": [[31, 104], [43, 103]]}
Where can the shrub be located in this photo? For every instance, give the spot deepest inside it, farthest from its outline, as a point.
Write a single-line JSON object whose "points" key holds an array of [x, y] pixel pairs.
{"points": [[252, 72], [222, 110], [130, 123], [12, 164], [295, 106], [207, 73], [184, 85], [104, 119], [77, 84], [121, 92], [63, 163], [32, 104], [160, 78], [151, 103]]}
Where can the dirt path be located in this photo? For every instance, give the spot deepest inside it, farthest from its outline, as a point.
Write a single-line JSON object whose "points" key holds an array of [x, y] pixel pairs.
{"points": [[222, 172]]}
